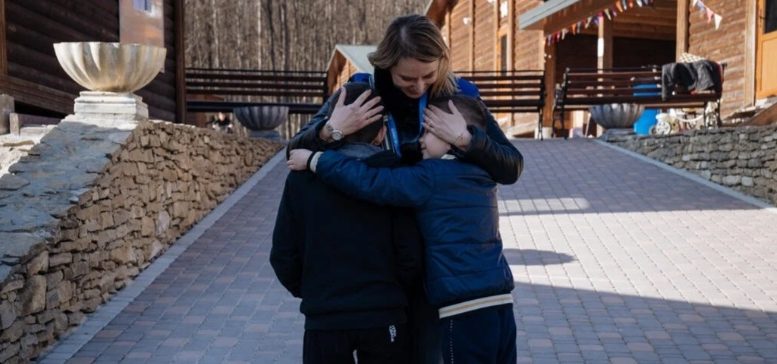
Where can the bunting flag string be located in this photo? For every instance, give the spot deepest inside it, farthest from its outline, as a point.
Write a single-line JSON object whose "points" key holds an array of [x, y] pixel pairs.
{"points": [[707, 13], [619, 6]]}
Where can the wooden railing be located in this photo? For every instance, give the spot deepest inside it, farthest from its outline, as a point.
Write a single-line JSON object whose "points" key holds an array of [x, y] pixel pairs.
{"points": [[302, 91], [510, 91]]}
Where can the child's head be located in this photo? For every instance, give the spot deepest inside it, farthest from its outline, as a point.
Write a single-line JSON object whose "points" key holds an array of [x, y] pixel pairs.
{"points": [[473, 111], [370, 133]]}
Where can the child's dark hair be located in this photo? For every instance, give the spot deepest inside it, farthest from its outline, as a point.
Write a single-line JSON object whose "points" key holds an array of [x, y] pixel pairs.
{"points": [[472, 109], [368, 133]]}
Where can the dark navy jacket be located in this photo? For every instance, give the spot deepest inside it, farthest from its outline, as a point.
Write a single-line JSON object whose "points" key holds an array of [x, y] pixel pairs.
{"points": [[349, 260], [457, 214]]}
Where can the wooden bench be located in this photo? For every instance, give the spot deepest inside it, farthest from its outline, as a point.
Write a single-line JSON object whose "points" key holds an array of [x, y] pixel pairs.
{"points": [[512, 91], [582, 88], [302, 91]]}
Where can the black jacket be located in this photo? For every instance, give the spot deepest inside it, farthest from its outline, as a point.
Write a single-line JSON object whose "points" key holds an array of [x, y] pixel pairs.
{"points": [[343, 256], [489, 150], [699, 76]]}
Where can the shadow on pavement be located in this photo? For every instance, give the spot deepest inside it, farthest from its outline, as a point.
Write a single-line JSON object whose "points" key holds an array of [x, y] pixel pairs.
{"points": [[536, 257]]}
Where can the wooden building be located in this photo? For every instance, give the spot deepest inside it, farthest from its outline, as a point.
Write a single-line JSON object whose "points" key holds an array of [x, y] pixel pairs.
{"points": [[345, 61], [745, 40], [31, 74], [524, 34], [483, 35]]}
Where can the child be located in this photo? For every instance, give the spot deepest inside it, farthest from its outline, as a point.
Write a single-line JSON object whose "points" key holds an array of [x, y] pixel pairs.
{"points": [[340, 256], [467, 277]]}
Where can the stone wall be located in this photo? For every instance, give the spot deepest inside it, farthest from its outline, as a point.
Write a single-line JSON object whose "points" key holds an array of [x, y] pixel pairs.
{"points": [[741, 158], [90, 207]]}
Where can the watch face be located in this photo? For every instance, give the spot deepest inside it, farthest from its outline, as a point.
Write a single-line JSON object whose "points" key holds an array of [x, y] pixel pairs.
{"points": [[337, 134]]}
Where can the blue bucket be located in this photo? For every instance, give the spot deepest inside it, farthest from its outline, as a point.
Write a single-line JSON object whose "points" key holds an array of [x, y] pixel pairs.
{"points": [[648, 118]]}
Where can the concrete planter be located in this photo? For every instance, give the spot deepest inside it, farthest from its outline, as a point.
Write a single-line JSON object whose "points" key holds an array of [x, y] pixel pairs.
{"points": [[616, 116], [110, 67], [111, 72], [262, 120]]}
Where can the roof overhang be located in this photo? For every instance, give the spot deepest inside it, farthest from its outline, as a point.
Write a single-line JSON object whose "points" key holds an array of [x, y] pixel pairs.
{"points": [[356, 55], [554, 15]]}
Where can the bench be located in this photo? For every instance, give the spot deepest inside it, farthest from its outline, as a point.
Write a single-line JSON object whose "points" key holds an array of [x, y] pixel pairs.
{"points": [[582, 88], [511, 91], [302, 91]]}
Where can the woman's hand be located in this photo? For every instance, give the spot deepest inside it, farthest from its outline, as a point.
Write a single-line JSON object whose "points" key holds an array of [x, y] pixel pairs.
{"points": [[354, 116], [451, 128], [298, 159]]}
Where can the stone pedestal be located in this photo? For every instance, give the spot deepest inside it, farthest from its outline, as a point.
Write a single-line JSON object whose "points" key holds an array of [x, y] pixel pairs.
{"points": [[266, 134], [617, 134], [6, 108], [108, 108]]}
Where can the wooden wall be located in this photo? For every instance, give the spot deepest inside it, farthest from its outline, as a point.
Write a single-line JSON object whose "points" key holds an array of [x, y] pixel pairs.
{"points": [[528, 54], [160, 93], [340, 70], [727, 44], [460, 41], [32, 27], [485, 35], [529, 45]]}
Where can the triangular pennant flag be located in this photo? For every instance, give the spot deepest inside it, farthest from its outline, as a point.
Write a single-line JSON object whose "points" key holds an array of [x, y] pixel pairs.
{"points": [[613, 12], [618, 6], [718, 19], [693, 2], [710, 14], [607, 12]]}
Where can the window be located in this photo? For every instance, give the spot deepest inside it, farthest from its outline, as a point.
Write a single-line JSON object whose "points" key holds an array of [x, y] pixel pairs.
{"points": [[770, 18], [142, 5]]}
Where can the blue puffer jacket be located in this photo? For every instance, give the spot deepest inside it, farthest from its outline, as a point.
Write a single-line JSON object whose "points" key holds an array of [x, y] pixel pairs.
{"points": [[457, 214]]}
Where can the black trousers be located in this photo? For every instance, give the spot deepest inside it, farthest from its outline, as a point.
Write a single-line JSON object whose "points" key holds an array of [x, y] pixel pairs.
{"points": [[484, 336], [388, 344]]}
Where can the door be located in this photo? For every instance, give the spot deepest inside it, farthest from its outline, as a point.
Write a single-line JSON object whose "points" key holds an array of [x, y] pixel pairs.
{"points": [[766, 48]]}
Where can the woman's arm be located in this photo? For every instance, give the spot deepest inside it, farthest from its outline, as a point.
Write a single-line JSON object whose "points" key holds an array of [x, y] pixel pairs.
{"points": [[487, 149], [309, 136], [346, 118], [492, 151]]}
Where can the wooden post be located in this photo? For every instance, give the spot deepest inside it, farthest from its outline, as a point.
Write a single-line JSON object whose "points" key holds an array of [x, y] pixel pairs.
{"points": [[752, 24], [3, 50], [180, 64], [471, 35], [604, 50], [682, 28], [550, 84], [604, 44]]}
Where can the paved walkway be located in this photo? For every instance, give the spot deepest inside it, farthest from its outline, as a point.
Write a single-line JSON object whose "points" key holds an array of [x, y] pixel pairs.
{"points": [[615, 260]]}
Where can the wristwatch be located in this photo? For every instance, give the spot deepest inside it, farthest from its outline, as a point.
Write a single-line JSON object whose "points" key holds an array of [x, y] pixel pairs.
{"points": [[336, 134]]}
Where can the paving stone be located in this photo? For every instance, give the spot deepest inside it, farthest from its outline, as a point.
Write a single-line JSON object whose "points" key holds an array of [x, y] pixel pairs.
{"points": [[615, 261]]}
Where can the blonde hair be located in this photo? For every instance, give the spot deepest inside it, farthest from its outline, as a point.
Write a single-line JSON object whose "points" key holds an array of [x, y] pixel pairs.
{"points": [[415, 36]]}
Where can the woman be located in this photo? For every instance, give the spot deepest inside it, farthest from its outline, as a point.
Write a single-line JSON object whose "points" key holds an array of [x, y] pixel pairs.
{"points": [[412, 64]]}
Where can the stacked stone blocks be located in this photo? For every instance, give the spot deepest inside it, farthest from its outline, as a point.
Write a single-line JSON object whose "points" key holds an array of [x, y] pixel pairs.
{"points": [[90, 207], [741, 158]]}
